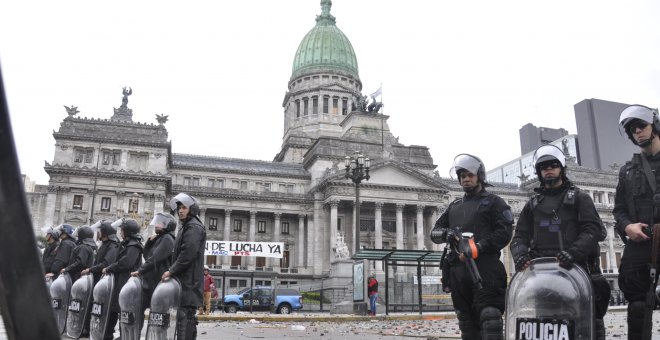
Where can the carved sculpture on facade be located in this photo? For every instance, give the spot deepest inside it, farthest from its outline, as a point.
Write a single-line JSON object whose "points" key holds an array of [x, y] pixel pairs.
{"points": [[126, 91], [375, 105], [359, 103], [71, 110], [341, 250], [161, 119]]}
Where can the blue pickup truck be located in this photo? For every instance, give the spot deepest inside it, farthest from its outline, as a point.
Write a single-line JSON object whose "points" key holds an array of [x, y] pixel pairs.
{"points": [[281, 300]]}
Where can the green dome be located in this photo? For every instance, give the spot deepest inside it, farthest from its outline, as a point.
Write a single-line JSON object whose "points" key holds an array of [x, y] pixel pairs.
{"points": [[325, 47]]}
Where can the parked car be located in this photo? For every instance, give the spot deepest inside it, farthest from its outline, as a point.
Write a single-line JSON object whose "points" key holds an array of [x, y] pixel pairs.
{"points": [[281, 300]]}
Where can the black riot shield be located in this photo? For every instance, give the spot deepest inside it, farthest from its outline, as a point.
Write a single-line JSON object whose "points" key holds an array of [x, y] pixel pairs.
{"points": [[130, 303], [547, 301], [81, 295], [59, 292], [163, 309], [101, 307]]}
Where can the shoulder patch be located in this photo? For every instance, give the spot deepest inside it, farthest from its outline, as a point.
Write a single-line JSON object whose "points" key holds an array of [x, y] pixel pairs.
{"points": [[508, 215]]}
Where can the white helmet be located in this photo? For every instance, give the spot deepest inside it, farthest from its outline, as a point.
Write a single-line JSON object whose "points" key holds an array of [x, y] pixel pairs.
{"points": [[470, 163], [639, 112], [549, 152]]}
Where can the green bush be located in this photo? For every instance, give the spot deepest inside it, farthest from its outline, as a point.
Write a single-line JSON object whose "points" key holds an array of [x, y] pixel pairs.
{"points": [[311, 297]]}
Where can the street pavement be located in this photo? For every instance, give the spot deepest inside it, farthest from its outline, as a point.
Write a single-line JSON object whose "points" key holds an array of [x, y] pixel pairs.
{"points": [[431, 326]]}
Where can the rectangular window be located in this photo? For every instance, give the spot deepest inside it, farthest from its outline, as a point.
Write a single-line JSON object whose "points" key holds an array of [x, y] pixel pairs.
{"points": [[244, 185], [138, 160], [195, 181], [297, 108], [211, 183], [89, 155], [284, 261], [107, 157], [289, 188], [305, 105], [261, 227], [267, 187], [105, 203], [238, 225], [259, 185], [116, 157], [233, 283], [260, 262], [338, 223], [220, 183], [77, 202], [344, 106], [315, 105], [133, 205], [236, 261], [186, 181], [285, 227], [210, 260], [242, 283], [326, 99], [78, 155], [213, 223], [282, 188], [335, 105], [235, 184]]}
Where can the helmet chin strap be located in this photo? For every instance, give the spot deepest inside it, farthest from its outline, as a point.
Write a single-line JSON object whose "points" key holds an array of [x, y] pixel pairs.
{"points": [[646, 142]]}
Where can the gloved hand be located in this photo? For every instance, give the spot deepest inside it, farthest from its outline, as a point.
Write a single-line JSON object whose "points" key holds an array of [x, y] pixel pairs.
{"points": [[522, 262], [565, 259]]}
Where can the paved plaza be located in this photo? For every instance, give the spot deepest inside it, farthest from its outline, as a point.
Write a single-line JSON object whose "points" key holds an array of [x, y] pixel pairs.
{"points": [[434, 326]]}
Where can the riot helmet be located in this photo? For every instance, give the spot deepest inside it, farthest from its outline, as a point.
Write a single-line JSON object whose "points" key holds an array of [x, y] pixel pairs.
{"points": [[66, 229], [639, 116], [105, 227], [163, 223], [549, 155], [84, 232], [472, 164], [187, 201], [129, 227], [54, 233]]}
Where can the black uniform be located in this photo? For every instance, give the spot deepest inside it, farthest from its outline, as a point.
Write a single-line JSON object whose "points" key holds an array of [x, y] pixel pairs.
{"points": [[62, 256], [82, 257], [106, 255], [633, 203], [158, 258], [490, 219], [48, 257], [187, 266], [128, 260], [567, 213]]}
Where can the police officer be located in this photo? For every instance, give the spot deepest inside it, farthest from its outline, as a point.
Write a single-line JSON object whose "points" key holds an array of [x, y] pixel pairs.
{"points": [[157, 255], [129, 260], [636, 210], [108, 251], [188, 263], [48, 257], [82, 256], [489, 218], [63, 254], [561, 221]]}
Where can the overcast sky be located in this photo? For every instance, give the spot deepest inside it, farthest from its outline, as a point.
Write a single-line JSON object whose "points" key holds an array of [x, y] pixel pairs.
{"points": [[457, 76]]}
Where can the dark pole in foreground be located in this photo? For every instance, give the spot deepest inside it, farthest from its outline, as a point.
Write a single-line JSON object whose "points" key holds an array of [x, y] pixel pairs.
{"points": [[357, 169]]}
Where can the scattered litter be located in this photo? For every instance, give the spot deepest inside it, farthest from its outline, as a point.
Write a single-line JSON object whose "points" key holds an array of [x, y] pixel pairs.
{"points": [[297, 327], [254, 321]]}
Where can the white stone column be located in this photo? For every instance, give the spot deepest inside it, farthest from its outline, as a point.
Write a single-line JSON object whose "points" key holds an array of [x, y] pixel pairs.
{"points": [[399, 232], [378, 236], [318, 247], [300, 246], [333, 230], [226, 232], [275, 262], [611, 256], [420, 227], [251, 237], [310, 242], [434, 218]]}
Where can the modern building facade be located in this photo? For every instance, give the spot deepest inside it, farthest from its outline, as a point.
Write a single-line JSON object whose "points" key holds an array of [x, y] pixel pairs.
{"points": [[531, 137], [116, 167]]}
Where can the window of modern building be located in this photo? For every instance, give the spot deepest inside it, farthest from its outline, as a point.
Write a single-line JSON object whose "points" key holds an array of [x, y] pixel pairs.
{"points": [[261, 227], [77, 202], [133, 205], [315, 105], [213, 223], [285, 227], [238, 225], [326, 100], [105, 203]]}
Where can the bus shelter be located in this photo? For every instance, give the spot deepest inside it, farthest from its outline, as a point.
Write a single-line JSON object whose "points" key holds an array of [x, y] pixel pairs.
{"points": [[406, 258]]}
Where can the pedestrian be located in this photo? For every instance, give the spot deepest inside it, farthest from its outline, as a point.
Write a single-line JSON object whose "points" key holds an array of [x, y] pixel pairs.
{"points": [[208, 286], [157, 256], [637, 212], [188, 263], [561, 221], [129, 260], [48, 257], [64, 250], [372, 290], [489, 220]]}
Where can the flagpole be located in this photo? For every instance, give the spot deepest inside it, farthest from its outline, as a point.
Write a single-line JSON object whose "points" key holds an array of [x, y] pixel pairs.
{"points": [[382, 128]]}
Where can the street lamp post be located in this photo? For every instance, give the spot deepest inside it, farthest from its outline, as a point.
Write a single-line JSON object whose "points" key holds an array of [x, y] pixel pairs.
{"points": [[357, 169]]}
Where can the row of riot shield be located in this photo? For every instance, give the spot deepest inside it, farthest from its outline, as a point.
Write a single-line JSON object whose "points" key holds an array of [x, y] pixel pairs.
{"points": [[74, 304]]}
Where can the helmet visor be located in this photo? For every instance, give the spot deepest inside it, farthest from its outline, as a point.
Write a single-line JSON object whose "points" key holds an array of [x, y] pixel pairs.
{"points": [[95, 226], [465, 162], [116, 224], [549, 153], [159, 222], [636, 112], [182, 198]]}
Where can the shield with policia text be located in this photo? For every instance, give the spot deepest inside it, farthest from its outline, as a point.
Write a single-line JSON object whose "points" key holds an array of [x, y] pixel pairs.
{"points": [[59, 293], [130, 303], [163, 309], [548, 301], [101, 307], [79, 303]]}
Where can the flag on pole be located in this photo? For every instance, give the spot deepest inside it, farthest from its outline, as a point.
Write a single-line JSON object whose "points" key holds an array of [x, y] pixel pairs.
{"points": [[378, 92]]}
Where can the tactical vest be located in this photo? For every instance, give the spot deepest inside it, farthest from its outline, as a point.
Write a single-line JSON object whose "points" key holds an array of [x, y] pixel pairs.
{"points": [[469, 214], [639, 195], [555, 222]]}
